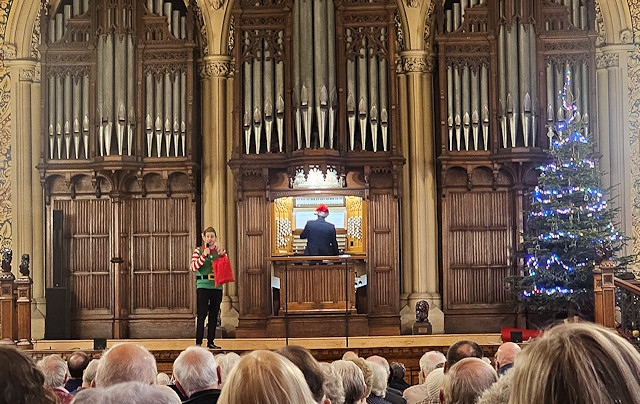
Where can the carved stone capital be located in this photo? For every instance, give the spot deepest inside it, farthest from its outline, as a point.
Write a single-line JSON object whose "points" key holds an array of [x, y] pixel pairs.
{"points": [[211, 68], [419, 62], [607, 60]]}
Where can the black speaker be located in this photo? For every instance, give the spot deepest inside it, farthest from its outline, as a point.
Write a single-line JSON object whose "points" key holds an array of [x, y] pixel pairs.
{"points": [[57, 324], [99, 344], [58, 249]]}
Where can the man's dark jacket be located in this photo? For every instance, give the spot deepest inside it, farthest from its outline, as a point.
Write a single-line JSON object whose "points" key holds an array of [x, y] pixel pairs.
{"points": [[321, 238]]}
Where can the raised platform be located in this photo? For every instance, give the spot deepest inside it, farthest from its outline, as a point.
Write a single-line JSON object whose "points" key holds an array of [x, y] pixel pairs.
{"points": [[406, 349]]}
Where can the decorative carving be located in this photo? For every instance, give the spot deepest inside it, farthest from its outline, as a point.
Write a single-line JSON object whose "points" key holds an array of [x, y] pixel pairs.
{"points": [[599, 23], [27, 74], [412, 64], [256, 42], [231, 42], [24, 265], [210, 69], [399, 32], [7, 257], [9, 52], [216, 4], [413, 3], [428, 23], [204, 41], [607, 60], [374, 38], [422, 311]]}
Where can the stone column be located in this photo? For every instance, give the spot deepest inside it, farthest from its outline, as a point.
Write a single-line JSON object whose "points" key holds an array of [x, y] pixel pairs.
{"points": [[27, 217], [218, 202], [614, 130], [419, 221]]}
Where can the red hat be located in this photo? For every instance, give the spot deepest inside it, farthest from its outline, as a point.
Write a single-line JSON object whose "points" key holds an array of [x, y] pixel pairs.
{"points": [[322, 210]]}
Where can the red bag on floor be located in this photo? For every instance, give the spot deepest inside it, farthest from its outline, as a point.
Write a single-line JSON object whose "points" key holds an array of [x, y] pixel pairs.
{"points": [[222, 270]]}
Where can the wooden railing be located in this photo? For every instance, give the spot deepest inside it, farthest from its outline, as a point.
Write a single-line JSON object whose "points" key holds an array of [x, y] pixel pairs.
{"points": [[617, 302], [15, 303]]}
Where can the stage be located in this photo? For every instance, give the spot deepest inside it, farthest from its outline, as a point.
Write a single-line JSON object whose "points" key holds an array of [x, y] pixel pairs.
{"points": [[406, 349]]}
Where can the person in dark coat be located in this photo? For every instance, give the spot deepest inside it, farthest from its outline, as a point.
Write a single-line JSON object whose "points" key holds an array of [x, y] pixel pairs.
{"points": [[320, 234]]}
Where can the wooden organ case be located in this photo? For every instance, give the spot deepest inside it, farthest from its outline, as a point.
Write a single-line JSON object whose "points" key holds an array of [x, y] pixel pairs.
{"points": [[501, 66], [119, 161], [315, 119]]}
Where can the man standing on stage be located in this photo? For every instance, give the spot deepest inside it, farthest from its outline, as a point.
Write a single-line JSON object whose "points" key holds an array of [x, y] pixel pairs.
{"points": [[209, 296], [321, 235]]}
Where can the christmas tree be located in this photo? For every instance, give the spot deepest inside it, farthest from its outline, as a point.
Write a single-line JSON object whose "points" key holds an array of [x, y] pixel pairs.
{"points": [[569, 219]]}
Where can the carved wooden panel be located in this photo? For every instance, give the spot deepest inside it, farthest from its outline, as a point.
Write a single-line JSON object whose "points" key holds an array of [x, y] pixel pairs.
{"points": [[87, 254], [383, 285], [160, 238], [254, 234], [478, 233], [316, 287]]}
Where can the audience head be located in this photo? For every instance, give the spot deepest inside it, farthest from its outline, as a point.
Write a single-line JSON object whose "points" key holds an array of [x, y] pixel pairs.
{"points": [[429, 361], [77, 363], [397, 371], [128, 392], [577, 363], [332, 385], [54, 370], [163, 379], [89, 374], [498, 392], [506, 354], [466, 380], [226, 361], [21, 382], [265, 377], [460, 350], [382, 362], [433, 384], [355, 388], [349, 355], [378, 379], [366, 372], [195, 369], [309, 366], [126, 362]]}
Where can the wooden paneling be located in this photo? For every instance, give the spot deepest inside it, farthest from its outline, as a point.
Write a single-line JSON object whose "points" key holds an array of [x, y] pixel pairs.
{"points": [[479, 233], [160, 251], [253, 246]]}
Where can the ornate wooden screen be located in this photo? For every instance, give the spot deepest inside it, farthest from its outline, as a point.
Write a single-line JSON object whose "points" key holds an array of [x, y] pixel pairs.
{"points": [[501, 65], [118, 159]]}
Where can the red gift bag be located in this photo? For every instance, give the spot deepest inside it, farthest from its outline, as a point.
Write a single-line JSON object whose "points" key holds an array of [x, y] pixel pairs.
{"points": [[222, 270]]}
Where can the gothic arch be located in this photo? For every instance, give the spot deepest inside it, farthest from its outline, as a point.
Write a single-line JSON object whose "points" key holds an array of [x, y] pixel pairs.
{"points": [[616, 18]]}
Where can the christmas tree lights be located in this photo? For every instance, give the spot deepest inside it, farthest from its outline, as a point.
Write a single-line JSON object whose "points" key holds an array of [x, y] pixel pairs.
{"points": [[569, 219]]}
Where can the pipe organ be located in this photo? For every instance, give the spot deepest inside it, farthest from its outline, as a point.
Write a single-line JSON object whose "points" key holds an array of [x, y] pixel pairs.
{"points": [[315, 119], [518, 111], [118, 158], [501, 70], [94, 64], [315, 59]]}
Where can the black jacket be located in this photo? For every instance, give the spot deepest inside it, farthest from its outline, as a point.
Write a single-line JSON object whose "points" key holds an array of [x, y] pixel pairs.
{"points": [[321, 238]]}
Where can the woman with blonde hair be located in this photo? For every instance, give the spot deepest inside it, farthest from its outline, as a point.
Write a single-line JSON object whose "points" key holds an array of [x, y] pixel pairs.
{"points": [[577, 363], [265, 377], [353, 381]]}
